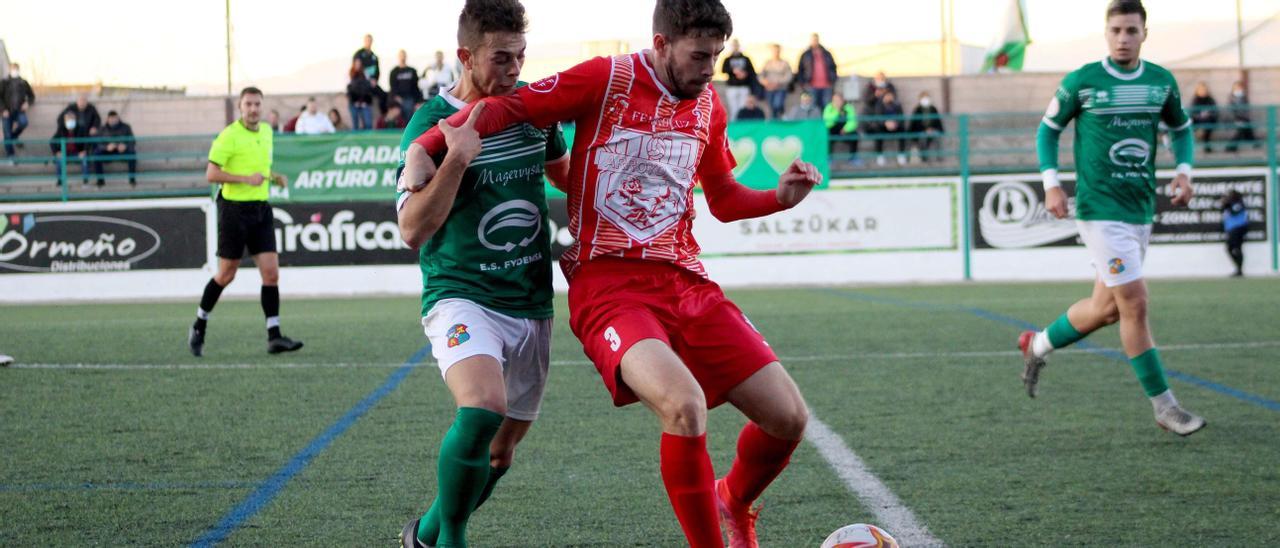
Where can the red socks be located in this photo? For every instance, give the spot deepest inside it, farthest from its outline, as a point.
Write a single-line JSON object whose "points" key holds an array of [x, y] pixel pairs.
{"points": [[761, 457], [690, 482]]}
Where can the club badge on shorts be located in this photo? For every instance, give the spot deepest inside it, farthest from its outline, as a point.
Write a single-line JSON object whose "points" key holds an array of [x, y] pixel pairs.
{"points": [[458, 335], [1116, 265]]}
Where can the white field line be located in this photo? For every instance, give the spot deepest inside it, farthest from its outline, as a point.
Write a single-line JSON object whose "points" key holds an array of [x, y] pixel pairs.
{"points": [[784, 359], [875, 496]]}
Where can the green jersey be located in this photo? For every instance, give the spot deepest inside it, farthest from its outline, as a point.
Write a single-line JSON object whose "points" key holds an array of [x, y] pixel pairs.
{"points": [[1117, 114], [494, 248]]}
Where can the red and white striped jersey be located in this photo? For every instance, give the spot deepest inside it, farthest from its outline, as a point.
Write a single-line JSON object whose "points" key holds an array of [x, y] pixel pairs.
{"points": [[637, 153]]}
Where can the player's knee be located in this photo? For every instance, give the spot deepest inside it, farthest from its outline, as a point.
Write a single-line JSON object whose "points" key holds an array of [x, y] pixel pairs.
{"points": [[685, 415], [224, 278], [791, 425], [271, 277], [1108, 313]]}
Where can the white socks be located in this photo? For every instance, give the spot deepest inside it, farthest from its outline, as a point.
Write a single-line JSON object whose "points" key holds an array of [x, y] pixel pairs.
{"points": [[200, 313], [1040, 345], [1163, 400]]}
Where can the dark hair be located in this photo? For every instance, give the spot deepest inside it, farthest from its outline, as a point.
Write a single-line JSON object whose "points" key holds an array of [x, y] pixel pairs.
{"points": [[112, 113], [250, 91], [484, 16], [1125, 7], [691, 18]]}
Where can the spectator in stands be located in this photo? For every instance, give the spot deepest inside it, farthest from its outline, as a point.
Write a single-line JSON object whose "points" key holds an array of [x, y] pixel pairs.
{"points": [[312, 121], [742, 76], [926, 125], [360, 97], [87, 119], [1240, 117], [393, 119], [372, 70], [841, 120], [1204, 114], [805, 109], [751, 109], [404, 84], [873, 94], [292, 125], [1235, 221], [117, 146], [888, 123], [776, 79], [335, 118], [66, 142], [438, 76], [273, 120], [15, 97], [817, 72]]}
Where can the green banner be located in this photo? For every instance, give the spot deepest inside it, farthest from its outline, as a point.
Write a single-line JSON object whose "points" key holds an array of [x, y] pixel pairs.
{"points": [[341, 167], [765, 149], [361, 166]]}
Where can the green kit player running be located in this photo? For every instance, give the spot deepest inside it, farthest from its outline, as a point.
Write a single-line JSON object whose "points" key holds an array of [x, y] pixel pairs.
{"points": [[481, 224], [1117, 104]]}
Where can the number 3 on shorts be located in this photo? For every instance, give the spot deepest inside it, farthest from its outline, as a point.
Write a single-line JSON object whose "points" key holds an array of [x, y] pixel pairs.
{"points": [[611, 335]]}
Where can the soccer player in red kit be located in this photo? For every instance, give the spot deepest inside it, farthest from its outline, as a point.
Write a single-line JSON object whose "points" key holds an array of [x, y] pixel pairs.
{"points": [[656, 328]]}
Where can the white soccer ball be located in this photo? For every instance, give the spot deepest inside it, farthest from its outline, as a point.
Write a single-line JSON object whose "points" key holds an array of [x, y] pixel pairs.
{"points": [[860, 535]]}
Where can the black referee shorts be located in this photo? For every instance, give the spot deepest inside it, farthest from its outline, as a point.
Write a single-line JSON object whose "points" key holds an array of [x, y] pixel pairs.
{"points": [[244, 224]]}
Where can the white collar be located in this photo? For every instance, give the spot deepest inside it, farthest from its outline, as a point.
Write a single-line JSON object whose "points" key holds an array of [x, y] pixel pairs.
{"points": [[644, 60], [1113, 71], [452, 100]]}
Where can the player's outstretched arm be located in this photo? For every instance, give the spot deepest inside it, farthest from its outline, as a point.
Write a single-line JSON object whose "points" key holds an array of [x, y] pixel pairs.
{"points": [[498, 114], [424, 207], [730, 201]]}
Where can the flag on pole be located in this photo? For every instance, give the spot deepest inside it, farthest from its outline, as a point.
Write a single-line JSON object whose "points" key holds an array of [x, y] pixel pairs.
{"points": [[1009, 48]]}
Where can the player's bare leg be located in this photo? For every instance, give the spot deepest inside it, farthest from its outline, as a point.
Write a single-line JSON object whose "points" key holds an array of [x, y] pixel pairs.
{"points": [[664, 384], [1139, 346], [465, 470], [269, 268], [1082, 318], [778, 415], [212, 291]]}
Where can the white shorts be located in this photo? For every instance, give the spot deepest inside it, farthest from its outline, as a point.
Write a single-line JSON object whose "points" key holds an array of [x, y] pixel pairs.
{"points": [[459, 329], [1117, 248]]}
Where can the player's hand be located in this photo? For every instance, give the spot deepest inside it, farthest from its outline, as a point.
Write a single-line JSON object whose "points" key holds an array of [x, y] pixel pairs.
{"points": [[1055, 200], [796, 182], [279, 179], [419, 169], [255, 179], [463, 141], [1180, 190]]}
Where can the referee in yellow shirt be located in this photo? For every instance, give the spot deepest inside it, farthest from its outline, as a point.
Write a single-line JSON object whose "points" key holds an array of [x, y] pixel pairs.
{"points": [[240, 161]]}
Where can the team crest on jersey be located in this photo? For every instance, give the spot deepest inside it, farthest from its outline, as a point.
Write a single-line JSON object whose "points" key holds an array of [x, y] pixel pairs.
{"points": [[458, 335], [644, 179], [1115, 266]]}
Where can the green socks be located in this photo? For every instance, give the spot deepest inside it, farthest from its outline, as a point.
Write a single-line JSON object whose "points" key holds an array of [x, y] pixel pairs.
{"points": [[1061, 333], [463, 473], [1150, 372], [429, 525]]}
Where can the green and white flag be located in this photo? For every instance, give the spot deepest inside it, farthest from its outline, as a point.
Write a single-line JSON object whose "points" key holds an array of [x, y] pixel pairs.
{"points": [[1009, 48]]}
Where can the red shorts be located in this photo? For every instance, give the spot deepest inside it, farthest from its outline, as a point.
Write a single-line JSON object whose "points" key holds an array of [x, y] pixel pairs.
{"points": [[613, 303]]}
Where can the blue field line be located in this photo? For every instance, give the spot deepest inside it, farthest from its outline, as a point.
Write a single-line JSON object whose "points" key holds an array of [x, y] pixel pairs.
{"points": [[268, 490], [125, 486], [1083, 345]]}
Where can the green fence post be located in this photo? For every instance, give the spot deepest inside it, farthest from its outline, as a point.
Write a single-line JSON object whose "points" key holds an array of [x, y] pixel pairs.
{"points": [[1272, 166], [62, 162], [965, 213]]}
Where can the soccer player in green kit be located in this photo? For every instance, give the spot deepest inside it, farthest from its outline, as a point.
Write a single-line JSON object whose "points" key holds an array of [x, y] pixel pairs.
{"points": [[481, 224], [1117, 105]]}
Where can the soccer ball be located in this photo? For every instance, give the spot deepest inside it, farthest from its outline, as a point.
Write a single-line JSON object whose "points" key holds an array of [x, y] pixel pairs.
{"points": [[859, 535]]}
